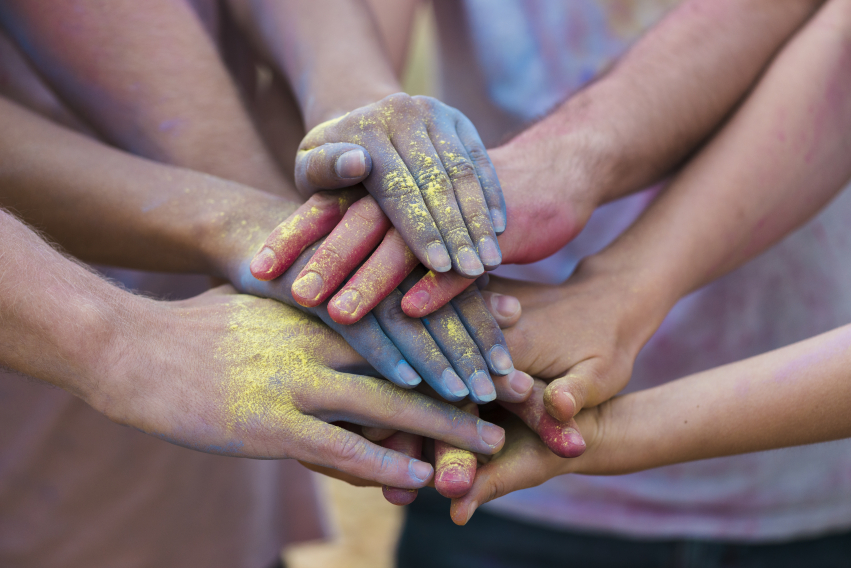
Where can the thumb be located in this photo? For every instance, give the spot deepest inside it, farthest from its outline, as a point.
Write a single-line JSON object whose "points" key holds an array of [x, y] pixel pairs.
{"points": [[331, 166], [586, 384]]}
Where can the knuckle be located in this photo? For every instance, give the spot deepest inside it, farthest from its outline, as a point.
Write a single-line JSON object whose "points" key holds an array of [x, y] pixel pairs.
{"points": [[392, 310], [367, 211], [462, 170], [478, 155], [346, 449], [398, 185], [458, 234]]}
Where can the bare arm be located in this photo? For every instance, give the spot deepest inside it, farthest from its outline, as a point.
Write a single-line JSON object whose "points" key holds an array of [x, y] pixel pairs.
{"points": [[148, 77]]}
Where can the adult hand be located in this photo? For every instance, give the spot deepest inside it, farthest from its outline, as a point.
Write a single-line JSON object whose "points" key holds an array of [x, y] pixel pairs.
{"points": [[239, 375], [455, 350], [427, 168]]}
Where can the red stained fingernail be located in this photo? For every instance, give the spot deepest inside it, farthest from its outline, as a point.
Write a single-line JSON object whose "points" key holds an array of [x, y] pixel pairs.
{"points": [[350, 165], [348, 302], [265, 265], [307, 289], [413, 303], [563, 441], [398, 495]]}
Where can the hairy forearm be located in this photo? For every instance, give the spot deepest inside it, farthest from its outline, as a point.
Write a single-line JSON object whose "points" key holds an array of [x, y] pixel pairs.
{"points": [[109, 207], [780, 159], [665, 96], [796, 395], [331, 51], [58, 322]]}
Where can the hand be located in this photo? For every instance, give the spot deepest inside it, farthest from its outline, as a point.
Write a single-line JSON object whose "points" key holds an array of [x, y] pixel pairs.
{"points": [[582, 335], [466, 332], [245, 376], [427, 169]]}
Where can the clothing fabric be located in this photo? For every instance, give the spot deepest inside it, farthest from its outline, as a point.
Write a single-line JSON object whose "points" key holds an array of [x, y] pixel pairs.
{"points": [[496, 541], [797, 289], [77, 490]]}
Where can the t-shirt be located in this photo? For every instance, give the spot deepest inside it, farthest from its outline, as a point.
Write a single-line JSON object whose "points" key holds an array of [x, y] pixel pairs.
{"points": [[797, 289], [78, 490]]}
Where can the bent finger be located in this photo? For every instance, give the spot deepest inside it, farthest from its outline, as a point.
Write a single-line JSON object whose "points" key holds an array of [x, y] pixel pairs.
{"points": [[410, 445], [563, 438], [582, 386], [432, 292], [454, 469], [332, 165]]}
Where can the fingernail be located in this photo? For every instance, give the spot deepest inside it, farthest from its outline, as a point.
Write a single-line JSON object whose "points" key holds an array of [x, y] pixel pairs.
{"points": [[489, 252], [482, 386], [567, 401], [308, 286], [454, 383], [420, 469], [419, 299], [501, 360], [470, 510], [264, 263], [506, 306], [407, 374], [498, 220], [348, 302], [352, 164], [520, 382], [490, 434], [469, 262], [575, 441], [438, 258]]}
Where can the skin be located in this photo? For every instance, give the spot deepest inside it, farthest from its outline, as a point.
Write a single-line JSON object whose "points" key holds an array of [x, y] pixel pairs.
{"points": [[429, 170], [108, 207], [167, 115], [221, 373], [623, 133], [778, 160], [792, 396]]}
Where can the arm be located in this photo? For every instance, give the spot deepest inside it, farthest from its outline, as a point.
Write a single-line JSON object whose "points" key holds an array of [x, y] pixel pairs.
{"points": [[146, 76], [220, 373], [427, 167], [796, 395], [779, 159]]}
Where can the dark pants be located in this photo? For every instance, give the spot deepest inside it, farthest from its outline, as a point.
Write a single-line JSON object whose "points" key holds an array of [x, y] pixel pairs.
{"points": [[430, 540]]}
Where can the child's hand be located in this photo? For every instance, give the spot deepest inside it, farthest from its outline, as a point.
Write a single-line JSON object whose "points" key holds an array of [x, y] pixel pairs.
{"points": [[427, 168]]}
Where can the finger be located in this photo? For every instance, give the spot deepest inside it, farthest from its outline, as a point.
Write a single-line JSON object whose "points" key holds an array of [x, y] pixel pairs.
{"points": [[432, 292], [419, 348], [399, 197], [485, 171], [422, 160], [454, 469], [366, 336], [372, 402], [566, 396], [516, 386], [563, 438], [331, 166], [382, 272], [410, 445], [358, 233], [327, 445], [310, 222], [483, 328], [506, 310], [377, 434], [464, 177]]}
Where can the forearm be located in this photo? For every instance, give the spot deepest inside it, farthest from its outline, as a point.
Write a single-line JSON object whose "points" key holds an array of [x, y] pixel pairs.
{"points": [[109, 207], [780, 159], [796, 395], [667, 94], [331, 51], [165, 96], [60, 322]]}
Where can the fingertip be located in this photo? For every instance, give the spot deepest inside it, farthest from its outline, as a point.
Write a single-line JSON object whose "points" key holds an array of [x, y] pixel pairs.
{"points": [[490, 253], [352, 165], [344, 307], [437, 257], [265, 265], [420, 471], [462, 512], [469, 264], [374, 434], [399, 495], [307, 289], [415, 303], [500, 360], [498, 220], [505, 309], [407, 375], [559, 402]]}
